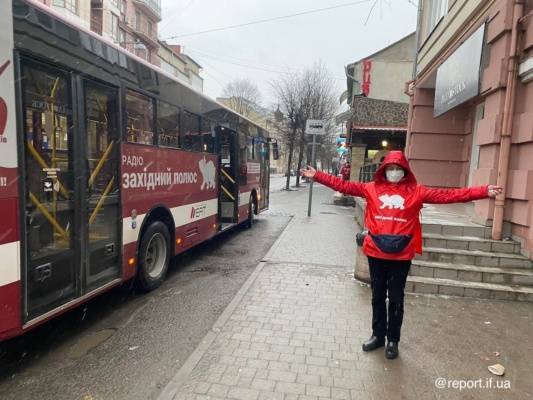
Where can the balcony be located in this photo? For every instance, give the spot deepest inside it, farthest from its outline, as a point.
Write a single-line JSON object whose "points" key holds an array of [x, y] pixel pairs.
{"points": [[141, 31], [150, 7]]}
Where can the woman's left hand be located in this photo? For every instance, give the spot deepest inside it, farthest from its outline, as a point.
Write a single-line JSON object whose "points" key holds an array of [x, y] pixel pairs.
{"points": [[493, 191]]}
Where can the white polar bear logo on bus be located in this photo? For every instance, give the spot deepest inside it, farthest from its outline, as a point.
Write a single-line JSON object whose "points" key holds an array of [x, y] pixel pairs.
{"points": [[207, 168], [392, 202]]}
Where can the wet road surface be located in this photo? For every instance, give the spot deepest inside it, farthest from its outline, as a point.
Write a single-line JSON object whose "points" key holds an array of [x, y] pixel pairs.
{"points": [[127, 345]]}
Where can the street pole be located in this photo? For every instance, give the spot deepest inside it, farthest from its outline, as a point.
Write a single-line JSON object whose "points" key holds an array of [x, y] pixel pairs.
{"points": [[311, 185]]}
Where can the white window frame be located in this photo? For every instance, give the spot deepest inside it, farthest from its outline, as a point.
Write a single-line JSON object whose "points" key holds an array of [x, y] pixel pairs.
{"points": [[69, 5], [114, 27], [437, 9]]}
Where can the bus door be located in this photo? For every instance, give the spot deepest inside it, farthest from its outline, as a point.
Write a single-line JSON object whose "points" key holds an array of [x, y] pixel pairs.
{"points": [[50, 257], [70, 176], [100, 191], [228, 184]]}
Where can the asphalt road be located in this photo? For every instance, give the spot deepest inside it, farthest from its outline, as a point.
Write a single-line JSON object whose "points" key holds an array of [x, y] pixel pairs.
{"points": [[127, 345]]}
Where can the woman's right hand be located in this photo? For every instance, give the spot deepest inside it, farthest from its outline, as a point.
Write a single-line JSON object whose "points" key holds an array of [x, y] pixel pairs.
{"points": [[309, 172]]}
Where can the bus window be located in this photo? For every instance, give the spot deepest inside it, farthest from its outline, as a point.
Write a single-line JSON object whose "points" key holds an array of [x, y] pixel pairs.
{"points": [[48, 168], [259, 149], [140, 118], [168, 124], [192, 140], [251, 153], [48, 116], [208, 135]]}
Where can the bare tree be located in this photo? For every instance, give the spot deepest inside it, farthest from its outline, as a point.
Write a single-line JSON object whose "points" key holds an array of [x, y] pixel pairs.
{"points": [[303, 96], [287, 91], [318, 101], [242, 95]]}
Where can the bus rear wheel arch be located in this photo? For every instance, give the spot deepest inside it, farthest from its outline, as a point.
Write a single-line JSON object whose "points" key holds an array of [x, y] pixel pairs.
{"points": [[155, 248], [154, 256], [252, 209]]}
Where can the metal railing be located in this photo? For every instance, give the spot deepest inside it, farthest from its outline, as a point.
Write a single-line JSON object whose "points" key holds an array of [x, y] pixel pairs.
{"points": [[367, 171]]}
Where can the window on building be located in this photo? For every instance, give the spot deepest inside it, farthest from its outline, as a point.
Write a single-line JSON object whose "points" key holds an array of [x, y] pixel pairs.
{"points": [[122, 37], [114, 27], [436, 10], [168, 124], [70, 5], [137, 20], [122, 7], [191, 137], [150, 27], [140, 118]]}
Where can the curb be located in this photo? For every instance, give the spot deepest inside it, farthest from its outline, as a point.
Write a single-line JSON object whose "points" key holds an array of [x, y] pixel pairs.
{"points": [[174, 385]]}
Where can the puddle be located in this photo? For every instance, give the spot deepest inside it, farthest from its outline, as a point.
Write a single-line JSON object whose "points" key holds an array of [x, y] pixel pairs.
{"points": [[88, 343]]}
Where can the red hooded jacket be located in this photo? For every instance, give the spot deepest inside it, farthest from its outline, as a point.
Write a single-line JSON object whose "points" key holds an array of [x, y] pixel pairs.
{"points": [[394, 208]]}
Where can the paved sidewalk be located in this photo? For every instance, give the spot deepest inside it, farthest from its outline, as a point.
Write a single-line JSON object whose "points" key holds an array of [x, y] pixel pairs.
{"points": [[294, 332]]}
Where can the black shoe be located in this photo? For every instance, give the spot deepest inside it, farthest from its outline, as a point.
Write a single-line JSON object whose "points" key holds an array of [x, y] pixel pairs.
{"points": [[373, 343], [391, 351]]}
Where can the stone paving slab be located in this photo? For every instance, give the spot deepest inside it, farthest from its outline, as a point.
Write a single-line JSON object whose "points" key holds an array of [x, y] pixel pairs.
{"points": [[325, 239], [296, 334]]}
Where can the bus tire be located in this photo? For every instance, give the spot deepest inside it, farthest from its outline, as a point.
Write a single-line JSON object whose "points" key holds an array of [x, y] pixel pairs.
{"points": [[154, 256], [250, 221]]}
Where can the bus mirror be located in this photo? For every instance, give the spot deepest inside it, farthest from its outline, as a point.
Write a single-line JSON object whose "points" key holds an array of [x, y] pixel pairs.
{"points": [[275, 151]]}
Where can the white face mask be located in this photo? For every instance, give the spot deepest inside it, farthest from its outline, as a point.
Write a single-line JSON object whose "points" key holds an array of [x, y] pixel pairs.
{"points": [[394, 176]]}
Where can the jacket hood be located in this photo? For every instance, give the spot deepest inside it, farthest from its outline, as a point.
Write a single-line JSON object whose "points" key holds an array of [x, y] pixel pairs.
{"points": [[395, 157]]}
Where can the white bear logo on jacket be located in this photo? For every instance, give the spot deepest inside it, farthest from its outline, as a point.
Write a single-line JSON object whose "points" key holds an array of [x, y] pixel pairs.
{"points": [[392, 202]]}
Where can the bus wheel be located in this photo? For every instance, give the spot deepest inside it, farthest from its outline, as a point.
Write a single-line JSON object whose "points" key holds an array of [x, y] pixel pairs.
{"points": [[154, 256], [250, 220]]}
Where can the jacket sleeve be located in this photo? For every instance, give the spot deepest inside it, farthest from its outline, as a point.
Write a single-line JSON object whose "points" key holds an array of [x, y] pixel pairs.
{"points": [[340, 185], [462, 195]]}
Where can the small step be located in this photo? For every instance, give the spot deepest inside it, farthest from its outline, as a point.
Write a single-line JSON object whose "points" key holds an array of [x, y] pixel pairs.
{"points": [[471, 230], [451, 287], [472, 273], [470, 243], [474, 257]]}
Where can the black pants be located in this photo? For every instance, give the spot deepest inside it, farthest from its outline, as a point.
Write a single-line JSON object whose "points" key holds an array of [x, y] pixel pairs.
{"points": [[387, 276]]}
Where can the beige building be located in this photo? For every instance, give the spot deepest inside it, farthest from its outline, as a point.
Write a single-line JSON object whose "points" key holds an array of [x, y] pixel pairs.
{"points": [[130, 23], [471, 108], [174, 61], [382, 75], [377, 119]]}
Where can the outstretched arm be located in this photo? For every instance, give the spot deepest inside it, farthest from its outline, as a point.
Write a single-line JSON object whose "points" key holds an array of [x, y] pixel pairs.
{"points": [[462, 195], [338, 184]]}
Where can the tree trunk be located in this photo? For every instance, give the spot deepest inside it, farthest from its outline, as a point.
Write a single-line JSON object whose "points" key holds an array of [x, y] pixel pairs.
{"points": [[291, 150], [300, 156]]}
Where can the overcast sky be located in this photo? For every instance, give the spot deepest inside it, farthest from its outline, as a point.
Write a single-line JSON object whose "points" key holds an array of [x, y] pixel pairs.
{"points": [[262, 52]]}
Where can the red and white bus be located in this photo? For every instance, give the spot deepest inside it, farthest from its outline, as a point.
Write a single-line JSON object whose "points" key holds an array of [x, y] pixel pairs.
{"points": [[109, 167]]}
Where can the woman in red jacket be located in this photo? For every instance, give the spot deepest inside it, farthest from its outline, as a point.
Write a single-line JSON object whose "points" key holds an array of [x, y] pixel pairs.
{"points": [[393, 203]]}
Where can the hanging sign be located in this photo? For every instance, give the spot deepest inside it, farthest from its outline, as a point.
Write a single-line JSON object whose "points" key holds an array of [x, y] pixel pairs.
{"points": [[458, 77]]}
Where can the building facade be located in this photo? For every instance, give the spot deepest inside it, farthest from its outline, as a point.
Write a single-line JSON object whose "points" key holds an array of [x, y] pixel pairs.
{"points": [[471, 106], [377, 119], [174, 61], [130, 23]]}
